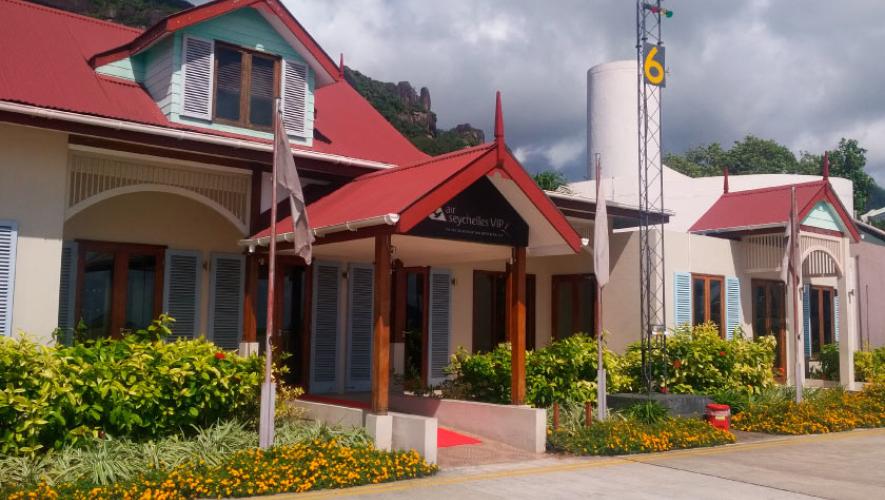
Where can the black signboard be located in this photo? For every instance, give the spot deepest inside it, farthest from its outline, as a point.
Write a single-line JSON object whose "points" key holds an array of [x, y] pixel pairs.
{"points": [[479, 214]]}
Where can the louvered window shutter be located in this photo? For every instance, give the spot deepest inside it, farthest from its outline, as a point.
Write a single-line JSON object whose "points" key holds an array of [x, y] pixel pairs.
{"points": [[360, 326], [836, 318], [294, 93], [226, 300], [732, 305], [324, 334], [806, 318], [440, 323], [181, 296], [8, 243], [197, 74], [682, 298], [67, 291]]}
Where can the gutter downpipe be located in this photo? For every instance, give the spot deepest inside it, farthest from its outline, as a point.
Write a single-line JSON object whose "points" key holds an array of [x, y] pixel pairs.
{"points": [[128, 126], [380, 220]]}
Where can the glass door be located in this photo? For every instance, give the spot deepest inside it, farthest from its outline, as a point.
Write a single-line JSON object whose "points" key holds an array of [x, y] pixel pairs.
{"points": [[290, 310], [119, 287], [769, 318]]}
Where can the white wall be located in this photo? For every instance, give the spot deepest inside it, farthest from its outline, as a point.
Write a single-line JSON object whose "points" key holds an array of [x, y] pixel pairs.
{"points": [[32, 193]]}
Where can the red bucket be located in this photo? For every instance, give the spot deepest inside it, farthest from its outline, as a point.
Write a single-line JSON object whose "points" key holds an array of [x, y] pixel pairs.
{"points": [[718, 416]]}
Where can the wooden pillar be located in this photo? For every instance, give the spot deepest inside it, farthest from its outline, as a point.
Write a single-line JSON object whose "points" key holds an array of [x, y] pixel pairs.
{"points": [[381, 337], [517, 325], [250, 323]]}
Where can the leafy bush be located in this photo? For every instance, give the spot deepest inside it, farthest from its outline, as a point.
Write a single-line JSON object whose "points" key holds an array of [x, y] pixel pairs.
{"points": [[822, 410], [295, 467], [625, 436], [133, 387], [649, 412], [868, 364], [107, 461], [698, 360], [563, 372]]}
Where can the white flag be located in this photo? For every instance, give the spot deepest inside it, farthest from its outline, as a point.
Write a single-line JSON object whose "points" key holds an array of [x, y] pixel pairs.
{"points": [[287, 176], [600, 233]]}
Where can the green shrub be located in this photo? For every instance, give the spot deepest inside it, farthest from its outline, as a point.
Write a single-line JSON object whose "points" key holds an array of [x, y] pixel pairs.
{"points": [[829, 362], [698, 360], [620, 436], [868, 363], [133, 387], [648, 412], [563, 372]]}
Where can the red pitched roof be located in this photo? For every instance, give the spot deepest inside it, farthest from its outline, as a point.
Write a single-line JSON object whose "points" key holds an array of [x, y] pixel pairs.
{"points": [[765, 207], [415, 191], [44, 63]]}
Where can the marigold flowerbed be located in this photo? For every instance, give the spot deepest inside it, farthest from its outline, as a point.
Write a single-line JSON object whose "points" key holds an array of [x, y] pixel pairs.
{"points": [[289, 468], [826, 410], [619, 437]]}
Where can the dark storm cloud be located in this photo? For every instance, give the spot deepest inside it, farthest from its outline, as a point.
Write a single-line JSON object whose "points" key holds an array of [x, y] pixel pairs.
{"points": [[803, 72]]}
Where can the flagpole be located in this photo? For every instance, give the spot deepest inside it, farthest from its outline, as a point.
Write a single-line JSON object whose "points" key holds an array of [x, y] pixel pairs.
{"points": [[601, 382], [266, 418], [798, 374]]}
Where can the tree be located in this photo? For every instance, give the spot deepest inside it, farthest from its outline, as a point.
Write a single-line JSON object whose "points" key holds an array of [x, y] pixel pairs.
{"points": [[753, 155], [550, 180]]}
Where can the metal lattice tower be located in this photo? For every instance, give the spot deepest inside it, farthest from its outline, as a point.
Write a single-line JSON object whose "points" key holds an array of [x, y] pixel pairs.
{"points": [[651, 191]]}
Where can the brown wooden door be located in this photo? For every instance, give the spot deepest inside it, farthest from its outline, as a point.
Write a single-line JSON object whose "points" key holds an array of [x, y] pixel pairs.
{"points": [[574, 305], [769, 318]]}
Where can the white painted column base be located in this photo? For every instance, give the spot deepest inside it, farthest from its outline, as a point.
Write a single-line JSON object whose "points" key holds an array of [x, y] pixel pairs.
{"points": [[380, 427], [248, 349]]}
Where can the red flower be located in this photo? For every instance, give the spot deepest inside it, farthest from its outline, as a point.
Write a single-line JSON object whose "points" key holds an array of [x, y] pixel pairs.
{"points": [[677, 364], [664, 390], [722, 353], [219, 355]]}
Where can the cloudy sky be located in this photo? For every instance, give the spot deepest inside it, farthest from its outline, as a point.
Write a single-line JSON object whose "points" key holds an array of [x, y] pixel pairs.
{"points": [[803, 72]]}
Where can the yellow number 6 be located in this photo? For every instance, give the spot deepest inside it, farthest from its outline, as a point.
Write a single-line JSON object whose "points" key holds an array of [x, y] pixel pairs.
{"points": [[654, 72]]}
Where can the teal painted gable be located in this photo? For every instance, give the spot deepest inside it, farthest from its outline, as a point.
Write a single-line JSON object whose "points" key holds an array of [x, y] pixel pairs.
{"points": [[127, 68], [823, 216], [246, 28]]}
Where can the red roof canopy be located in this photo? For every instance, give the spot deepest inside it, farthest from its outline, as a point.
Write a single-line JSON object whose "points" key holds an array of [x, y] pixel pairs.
{"points": [[44, 63], [414, 191], [766, 207]]}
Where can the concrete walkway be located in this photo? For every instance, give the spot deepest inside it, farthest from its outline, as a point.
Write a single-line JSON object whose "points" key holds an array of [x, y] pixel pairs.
{"points": [[843, 465]]}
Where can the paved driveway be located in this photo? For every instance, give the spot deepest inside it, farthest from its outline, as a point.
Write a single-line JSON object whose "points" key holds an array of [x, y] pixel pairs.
{"points": [[843, 465]]}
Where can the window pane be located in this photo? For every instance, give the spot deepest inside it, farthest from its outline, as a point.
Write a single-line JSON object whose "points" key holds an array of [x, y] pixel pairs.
{"points": [[815, 320], [759, 315], [483, 307], [777, 307], [716, 302], [98, 278], [228, 82], [828, 317], [562, 292], [698, 301], [140, 291], [261, 94]]}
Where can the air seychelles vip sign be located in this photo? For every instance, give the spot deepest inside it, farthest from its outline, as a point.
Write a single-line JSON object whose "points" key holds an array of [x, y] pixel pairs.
{"points": [[479, 214]]}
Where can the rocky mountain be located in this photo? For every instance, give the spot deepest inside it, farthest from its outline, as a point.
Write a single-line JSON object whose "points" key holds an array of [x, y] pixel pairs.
{"points": [[137, 13], [410, 112]]}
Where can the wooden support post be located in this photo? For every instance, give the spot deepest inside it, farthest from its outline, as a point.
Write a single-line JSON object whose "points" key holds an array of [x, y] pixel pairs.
{"points": [[588, 414], [250, 322], [381, 340], [517, 325]]}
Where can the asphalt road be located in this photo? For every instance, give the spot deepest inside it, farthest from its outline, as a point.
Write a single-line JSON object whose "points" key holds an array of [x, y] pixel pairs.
{"points": [[844, 465]]}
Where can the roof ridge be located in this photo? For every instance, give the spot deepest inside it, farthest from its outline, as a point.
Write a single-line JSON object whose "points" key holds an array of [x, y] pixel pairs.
{"points": [[772, 188], [74, 15], [454, 154]]}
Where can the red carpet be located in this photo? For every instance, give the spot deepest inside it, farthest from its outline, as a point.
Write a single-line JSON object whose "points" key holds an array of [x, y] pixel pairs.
{"points": [[445, 438]]}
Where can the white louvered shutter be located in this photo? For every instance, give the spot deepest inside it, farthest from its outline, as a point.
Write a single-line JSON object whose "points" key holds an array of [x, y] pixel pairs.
{"points": [[294, 94], [197, 69], [8, 243], [440, 326], [226, 300], [324, 334], [67, 290], [181, 293], [360, 329], [806, 318], [836, 318], [682, 298], [732, 305]]}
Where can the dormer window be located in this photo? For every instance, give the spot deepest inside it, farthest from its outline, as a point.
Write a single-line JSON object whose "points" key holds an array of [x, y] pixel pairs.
{"points": [[246, 83]]}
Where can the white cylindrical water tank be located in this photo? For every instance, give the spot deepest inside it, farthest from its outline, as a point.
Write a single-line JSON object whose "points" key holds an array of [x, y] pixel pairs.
{"points": [[612, 123]]}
